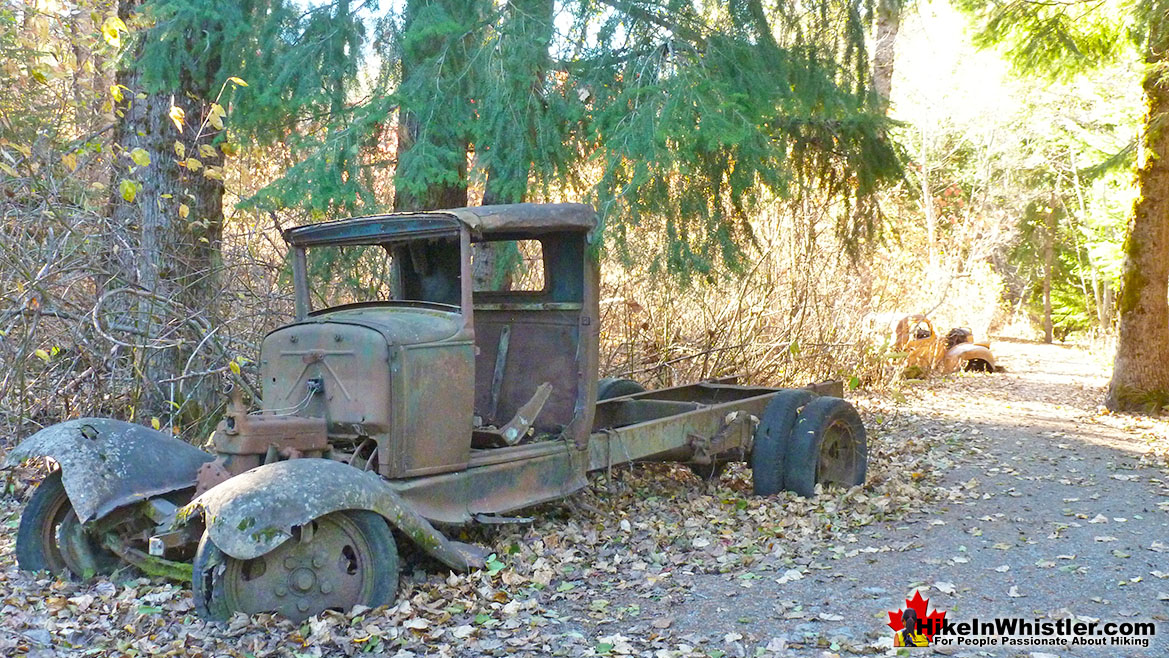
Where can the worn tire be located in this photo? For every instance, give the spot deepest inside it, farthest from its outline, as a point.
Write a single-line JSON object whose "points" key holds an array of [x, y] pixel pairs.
{"points": [[212, 570], [828, 446], [769, 451], [615, 387], [37, 548]]}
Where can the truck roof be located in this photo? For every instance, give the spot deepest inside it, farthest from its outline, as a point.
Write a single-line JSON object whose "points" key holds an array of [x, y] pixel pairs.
{"points": [[517, 218]]}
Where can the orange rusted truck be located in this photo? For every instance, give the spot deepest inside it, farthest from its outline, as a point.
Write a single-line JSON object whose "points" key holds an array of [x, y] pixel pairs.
{"points": [[928, 351]]}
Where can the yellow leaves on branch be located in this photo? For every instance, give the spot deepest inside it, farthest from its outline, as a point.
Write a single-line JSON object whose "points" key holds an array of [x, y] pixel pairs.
{"points": [[112, 29], [237, 81], [184, 210], [207, 151], [193, 164], [70, 161], [177, 115], [129, 189], [140, 157], [215, 116], [180, 150]]}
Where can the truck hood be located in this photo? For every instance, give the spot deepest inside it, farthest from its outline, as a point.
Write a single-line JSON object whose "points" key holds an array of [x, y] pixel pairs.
{"points": [[398, 323]]}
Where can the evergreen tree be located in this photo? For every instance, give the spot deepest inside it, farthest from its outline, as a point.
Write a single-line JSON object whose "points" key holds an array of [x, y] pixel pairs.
{"points": [[687, 117]]}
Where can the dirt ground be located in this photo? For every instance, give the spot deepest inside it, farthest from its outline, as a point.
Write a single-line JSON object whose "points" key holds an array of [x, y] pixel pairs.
{"points": [[993, 495]]}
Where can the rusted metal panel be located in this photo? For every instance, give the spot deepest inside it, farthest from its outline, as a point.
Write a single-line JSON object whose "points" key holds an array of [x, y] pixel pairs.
{"points": [[500, 480], [527, 338], [253, 513], [432, 414], [620, 413], [348, 361], [541, 346], [528, 218], [959, 355], [719, 391], [106, 464], [833, 388], [702, 392]]}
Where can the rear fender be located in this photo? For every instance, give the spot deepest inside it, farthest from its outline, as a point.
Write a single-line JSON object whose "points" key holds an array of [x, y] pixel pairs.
{"points": [[106, 464], [254, 512]]}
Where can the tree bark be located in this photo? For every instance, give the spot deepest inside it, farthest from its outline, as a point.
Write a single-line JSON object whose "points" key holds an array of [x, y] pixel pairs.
{"points": [[1140, 372], [514, 121], [927, 206], [173, 260], [433, 126], [884, 51], [1048, 267]]}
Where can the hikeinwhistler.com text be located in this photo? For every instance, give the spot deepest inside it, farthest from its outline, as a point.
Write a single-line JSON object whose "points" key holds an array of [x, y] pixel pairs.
{"points": [[1019, 632]]}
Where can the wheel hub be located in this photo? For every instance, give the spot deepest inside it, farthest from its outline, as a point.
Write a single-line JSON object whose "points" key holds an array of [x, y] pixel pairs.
{"points": [[837, 455], [327, 566], [302, 580]]}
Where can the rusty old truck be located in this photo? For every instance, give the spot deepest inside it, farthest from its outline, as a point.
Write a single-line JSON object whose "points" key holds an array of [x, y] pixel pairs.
{"points": [[395, 417]]}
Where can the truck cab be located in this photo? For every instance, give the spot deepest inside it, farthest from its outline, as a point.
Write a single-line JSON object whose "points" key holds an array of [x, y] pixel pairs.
{"points": [[411, 367]]}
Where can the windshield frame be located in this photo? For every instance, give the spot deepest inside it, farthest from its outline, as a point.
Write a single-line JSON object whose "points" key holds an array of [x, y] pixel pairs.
{"points": [[300, 278]]}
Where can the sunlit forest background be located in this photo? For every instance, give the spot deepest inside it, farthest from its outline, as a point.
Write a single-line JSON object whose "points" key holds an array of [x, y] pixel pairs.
{"points": [[777, 181]]}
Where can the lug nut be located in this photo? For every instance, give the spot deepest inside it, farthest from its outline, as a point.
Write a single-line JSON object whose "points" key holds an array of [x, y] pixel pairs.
{"points": [[281, 591], [326, 588], [302, 605]]}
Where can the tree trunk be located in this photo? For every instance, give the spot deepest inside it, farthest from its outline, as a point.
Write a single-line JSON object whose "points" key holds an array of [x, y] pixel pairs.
{"points": [[1048, 266], [173, 259], [927, 207], [433, 124], [1108, 303], [885, 40], [512, 113], [1140, 376]]}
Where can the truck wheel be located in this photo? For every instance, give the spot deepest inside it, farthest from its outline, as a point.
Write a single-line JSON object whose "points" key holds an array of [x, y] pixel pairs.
{"points": [[770, 447], [51, 538], [828, 446], [336, 562], [615, 387]]}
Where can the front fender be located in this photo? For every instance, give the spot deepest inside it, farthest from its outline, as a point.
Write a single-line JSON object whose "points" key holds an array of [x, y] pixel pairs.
{"points": [[963, 352], [254, 512], [108, 463]]}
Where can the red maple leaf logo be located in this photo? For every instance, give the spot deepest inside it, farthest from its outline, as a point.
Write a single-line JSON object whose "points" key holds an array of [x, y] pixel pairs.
{"points": [[931, 622]]}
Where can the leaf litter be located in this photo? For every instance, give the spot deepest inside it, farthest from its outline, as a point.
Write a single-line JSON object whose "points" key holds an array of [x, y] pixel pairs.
{"points": [[591, 575]]}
